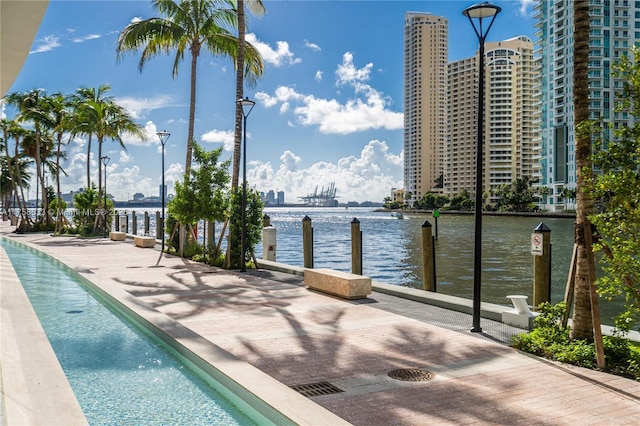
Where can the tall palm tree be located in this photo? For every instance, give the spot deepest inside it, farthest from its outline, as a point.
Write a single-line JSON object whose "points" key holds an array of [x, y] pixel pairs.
{"points": [[582, 325], [59, 109], [34, 108], [257, 9], [111, 122], [17, 163], [81, 121], [186, 25]]}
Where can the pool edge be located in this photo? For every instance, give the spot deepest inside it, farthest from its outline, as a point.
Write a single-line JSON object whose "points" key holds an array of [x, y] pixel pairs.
{"points": [[34, 388]]}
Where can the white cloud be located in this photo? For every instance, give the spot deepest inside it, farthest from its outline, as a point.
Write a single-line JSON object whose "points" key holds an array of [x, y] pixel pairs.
{"points": [[312, 46], [290, 160], [526, 7], [347, 73], [125, 157], [136, 19], [85, 38], [368, 111], [278, 57], [46, 44], [374, 173], [3, 115], [225, 137], [149, 137], [139, 107], [318, 76]]}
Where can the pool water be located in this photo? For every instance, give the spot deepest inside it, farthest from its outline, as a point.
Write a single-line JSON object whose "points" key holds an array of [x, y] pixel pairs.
{"points": [[120, 375]]}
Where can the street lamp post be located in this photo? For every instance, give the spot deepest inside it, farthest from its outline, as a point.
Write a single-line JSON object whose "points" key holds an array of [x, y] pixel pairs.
{"points": [[247, 105], [477, 13], [163, 136], [105, 161]]}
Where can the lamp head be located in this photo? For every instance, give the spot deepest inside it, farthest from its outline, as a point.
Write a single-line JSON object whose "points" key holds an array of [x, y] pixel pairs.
{"points": [[164, 136], [105, 159], [481, 10], [247, 105]]}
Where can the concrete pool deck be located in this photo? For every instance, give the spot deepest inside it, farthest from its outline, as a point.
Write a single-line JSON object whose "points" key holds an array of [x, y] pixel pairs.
{"points": [[272, 327]]}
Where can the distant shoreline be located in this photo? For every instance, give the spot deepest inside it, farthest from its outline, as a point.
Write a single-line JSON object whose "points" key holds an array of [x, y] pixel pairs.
{"points": [[561, 215]]}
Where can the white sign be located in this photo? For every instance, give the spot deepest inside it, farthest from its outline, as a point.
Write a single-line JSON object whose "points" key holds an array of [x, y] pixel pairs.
{"points": [[536, 244]]}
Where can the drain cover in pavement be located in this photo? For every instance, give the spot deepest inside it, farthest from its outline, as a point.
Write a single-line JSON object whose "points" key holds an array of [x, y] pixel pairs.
{"points": [[411, 375], [316, 389]]}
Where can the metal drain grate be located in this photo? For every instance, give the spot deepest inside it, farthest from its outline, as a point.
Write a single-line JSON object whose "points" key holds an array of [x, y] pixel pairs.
{"points": [[316, 389], [411, 375]]}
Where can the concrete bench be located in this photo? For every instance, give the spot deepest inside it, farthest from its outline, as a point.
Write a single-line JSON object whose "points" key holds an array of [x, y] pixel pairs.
{"points": [[117, 236], [141, 241], [342, 284]]}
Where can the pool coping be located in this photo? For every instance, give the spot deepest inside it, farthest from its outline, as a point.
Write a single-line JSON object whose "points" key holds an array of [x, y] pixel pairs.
{"points": [[30, 373], [273, 400]]}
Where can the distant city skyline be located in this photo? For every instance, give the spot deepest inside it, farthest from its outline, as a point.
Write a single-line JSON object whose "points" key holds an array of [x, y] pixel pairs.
{"points": [[329, 109]]}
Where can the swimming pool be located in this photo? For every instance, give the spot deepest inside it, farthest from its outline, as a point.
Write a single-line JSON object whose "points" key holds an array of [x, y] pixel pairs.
{"points": [[120, 375]]}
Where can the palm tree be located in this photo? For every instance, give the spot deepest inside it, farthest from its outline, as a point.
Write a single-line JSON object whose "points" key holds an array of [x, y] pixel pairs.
{"points": [[111, 121], [59, 105], [257, 9], [186, 25], [17, 163], [34, 108], [582, 325], [81, 121]]}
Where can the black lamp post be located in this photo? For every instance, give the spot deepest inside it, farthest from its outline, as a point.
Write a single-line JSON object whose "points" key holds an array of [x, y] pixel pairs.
{"points": [[164, 136], [479, 12], [105, 161], [247, 105]]}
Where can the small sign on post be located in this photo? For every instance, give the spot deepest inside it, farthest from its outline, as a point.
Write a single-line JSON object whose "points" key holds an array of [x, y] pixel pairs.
{"points": [[536, 244]]}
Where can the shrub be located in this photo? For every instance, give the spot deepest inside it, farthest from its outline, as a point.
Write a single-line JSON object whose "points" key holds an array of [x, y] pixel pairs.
{"points": [[549, 339]]}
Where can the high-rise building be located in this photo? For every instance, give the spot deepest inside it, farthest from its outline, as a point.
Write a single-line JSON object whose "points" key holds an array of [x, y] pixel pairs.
{"points": [[280, 197], [426, 53], [271, 197], [614, 28], [510, 118]]}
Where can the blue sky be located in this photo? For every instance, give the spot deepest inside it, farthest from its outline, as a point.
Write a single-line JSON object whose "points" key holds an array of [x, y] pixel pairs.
{"points": [[328, 109]]}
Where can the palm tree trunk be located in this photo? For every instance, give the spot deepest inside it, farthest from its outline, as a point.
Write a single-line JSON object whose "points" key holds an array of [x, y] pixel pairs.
{"points": [[237, 141], [22, 204], [40, 175], [98, 213], [89, 162], [582, 325], [14, 188], [195, 51], [60, 213]]}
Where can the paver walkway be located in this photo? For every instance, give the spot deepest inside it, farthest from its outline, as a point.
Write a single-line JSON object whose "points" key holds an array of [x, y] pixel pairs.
{"points": [[301, 337]]}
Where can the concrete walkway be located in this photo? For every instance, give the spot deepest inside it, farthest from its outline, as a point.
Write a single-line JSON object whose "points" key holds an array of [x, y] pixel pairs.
{"points": [[300, 337]]}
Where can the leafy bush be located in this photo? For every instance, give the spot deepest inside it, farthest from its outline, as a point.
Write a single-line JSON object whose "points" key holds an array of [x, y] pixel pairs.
{"points": [[549, 339]]}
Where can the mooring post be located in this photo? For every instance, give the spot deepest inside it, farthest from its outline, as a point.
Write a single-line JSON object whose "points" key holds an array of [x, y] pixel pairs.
{"points": [[146, 223], [428, 264], [356, 247], [134, 223], [541, 251], [307, 242], [117, 228], [269, 242]]}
